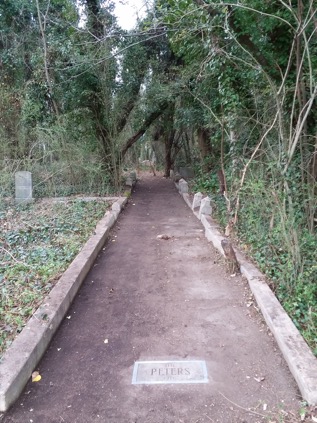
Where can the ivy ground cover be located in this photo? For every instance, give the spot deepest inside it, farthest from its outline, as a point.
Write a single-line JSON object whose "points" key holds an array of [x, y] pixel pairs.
{"points": [[37, 243]]}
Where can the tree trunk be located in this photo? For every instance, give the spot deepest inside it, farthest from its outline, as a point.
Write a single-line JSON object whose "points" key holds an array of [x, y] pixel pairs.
{"points": [[244, 39], [48, 77], [203, 137], [150, 119], [95, 24], [169, 140]]}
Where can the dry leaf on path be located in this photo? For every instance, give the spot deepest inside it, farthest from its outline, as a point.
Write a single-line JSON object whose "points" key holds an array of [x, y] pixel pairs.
{"points": [[36, 377], [259, 379], [163, 236]]}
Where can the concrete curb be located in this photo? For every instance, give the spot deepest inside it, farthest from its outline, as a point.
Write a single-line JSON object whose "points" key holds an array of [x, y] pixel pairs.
{"points": [[23, 355], [299, 357]]}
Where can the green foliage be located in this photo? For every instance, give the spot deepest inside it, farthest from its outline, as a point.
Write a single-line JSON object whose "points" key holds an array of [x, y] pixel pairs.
{"points": [[206, 183], [65, 81], [248, 78], [266, 233], [39, 241], [301, 305]]}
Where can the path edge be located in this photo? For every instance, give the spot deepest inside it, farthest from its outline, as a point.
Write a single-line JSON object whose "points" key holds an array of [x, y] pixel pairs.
{"points": [[297, 354], [25, 352]]}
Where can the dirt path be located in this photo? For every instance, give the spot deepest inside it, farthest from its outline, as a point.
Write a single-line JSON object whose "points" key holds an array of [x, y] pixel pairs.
{"points": [[155, 299]]}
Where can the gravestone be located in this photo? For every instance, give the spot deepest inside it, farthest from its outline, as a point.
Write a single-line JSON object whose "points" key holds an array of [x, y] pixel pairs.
{"points": [[133, 176], [197, 200], [174, 371], [205, 207], [129, 181], [186, 172], [23, 187], [183, 186]]}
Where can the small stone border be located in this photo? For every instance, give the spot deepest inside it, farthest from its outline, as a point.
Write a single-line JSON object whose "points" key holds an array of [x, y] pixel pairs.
{"points": [[299, 357], [22, 357]]}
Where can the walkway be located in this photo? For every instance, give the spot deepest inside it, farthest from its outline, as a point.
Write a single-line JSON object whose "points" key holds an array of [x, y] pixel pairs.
{"points": [[155, 299]]}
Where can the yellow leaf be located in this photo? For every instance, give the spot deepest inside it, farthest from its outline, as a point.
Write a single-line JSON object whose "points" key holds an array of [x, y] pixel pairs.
{"points": [[36, 377]]}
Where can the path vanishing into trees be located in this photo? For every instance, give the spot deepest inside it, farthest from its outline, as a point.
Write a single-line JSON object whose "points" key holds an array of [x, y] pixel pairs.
{"points": [[154, 299]]}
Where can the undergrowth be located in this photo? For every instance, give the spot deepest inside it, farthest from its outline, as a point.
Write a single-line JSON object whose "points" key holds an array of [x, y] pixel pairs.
{"points": [[37, 243], [57, 178], [275, 237]]}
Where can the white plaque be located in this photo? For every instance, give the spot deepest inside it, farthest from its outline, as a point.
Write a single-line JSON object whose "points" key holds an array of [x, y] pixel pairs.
{"points": [[173, 371]]}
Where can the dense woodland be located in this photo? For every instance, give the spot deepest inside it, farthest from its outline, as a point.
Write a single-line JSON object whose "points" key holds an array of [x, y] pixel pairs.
{"points": [[226, 87]]}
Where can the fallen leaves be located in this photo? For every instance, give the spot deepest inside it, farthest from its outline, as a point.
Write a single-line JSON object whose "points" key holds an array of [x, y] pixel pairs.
{"points": [[308, 414], [36, 377], [259, 379], [39, 241], [164, 236]]}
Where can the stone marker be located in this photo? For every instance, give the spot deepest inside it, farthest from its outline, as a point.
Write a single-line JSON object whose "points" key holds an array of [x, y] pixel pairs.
{"points": [[197, 200], [183, 186], [133, 176], [129, 181], [23, 187], [116, 207], [174, 371], [205, 207], [172, 174], [186, 172]]}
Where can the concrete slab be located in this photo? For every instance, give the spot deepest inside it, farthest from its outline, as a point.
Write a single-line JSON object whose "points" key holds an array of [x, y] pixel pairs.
{"points": [[197, 200], [169, 371], [183, 186]]}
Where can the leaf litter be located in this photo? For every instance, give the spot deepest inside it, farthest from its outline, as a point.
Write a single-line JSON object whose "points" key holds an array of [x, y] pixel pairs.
{"points": [[37, 243]]}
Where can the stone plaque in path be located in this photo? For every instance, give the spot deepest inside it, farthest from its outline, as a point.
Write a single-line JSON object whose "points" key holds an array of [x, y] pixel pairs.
{"points": [[23, 187], [159, 372]]}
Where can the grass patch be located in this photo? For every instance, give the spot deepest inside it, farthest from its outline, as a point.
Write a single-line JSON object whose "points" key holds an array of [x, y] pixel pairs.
{"points": [[37, 243]]}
